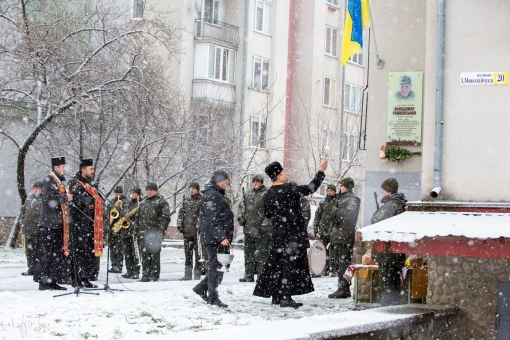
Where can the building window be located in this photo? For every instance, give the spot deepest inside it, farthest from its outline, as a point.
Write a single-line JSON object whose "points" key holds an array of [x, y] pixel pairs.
{"points": [[258, 132], [221, 64], [137, 9], [357, 58], [350, 149], [263, 17], [330, 47], [260, 74], [353, 96], [211, 9], [332, 2], [329, 92]]}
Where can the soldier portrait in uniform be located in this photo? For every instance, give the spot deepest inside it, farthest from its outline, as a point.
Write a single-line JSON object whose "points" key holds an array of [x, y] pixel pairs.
{"points": [[405, 91]]}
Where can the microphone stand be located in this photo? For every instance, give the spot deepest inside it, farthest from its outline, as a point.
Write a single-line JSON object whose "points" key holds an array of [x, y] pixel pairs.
{"points": [[77, 289]]}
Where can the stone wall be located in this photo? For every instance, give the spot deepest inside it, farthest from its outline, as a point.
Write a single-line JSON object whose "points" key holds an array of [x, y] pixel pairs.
{"points": [[472, 285]]}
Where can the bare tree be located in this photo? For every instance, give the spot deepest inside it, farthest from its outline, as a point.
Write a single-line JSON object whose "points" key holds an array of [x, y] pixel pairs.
{"points": [[60, 58]]}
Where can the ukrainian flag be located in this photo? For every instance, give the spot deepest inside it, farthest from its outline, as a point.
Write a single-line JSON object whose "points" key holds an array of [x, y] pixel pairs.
{"points": [[357, 17]]}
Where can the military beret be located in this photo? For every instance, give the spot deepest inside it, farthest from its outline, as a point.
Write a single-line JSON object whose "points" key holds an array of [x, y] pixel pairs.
{"points": [[390, 185], [348, 183], [136, 189], [258, 178], [405, 80], [194, 185], [151, 186]]}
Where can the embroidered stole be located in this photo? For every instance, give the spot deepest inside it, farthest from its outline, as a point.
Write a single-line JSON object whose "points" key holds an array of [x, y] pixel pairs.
{"points": [[65, 213], [98, 219]]}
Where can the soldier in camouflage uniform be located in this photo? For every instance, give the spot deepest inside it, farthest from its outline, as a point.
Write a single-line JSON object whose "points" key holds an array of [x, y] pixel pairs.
{"points": [[323, 223], [114, 239], [390, 264], [127, 235], [257, 229], [187, 224], [151, 221], [343, 234], [29, 221]]}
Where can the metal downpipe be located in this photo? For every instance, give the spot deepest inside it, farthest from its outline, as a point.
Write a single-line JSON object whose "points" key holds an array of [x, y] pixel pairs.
{"points": [[438, 143]]}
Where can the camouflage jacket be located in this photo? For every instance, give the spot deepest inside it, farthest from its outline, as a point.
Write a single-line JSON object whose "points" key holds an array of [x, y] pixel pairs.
{"points": [[324, 217], [346, 216], [250, 213]]}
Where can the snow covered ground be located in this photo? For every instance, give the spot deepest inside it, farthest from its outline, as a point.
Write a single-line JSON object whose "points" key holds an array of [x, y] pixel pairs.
{"points": [[168, 308]]}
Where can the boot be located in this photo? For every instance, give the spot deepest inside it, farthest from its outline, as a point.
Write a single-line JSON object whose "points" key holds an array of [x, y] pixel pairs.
{"points": [[218, 303], [334, 274], [247, 279], [27, 273], [290, 303], [55, 286], [187, 274], [200, 292], [87, 284], [127, 275], [115, 270], [43, 286], [341, 293], [275, 300], [196, 276], [134, 276], [144, 279]]}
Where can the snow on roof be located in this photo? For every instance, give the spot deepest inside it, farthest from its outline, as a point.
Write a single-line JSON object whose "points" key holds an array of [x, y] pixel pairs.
{"points": [[413, 225]]}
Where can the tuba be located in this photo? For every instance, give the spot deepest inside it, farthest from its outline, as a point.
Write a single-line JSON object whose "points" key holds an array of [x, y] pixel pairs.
{"points": [[124, 221]]}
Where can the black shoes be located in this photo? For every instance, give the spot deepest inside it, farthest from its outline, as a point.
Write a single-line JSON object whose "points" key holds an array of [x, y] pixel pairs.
{"points": [[45, 287], [290, 303], [131, 276], [340, 294], [86, 283], [51, 286], [29, 273], [115, 270], [144, 279], [218, 303], [55, 286], [247, 279], [275, 300], [201, 293]]}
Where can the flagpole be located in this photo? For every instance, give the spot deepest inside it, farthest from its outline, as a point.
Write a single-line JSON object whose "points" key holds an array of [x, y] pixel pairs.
{"points": [[342, 100]]}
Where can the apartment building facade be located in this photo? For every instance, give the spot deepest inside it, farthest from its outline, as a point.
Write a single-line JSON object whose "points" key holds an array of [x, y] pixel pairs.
{"points": [[275, 65]]}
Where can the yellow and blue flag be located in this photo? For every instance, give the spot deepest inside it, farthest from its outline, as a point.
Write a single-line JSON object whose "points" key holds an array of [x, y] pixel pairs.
{"points": [[357, 17]]}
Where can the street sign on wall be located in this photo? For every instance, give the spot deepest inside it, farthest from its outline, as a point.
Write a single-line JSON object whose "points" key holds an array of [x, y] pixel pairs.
{"points": [[484, 78]]}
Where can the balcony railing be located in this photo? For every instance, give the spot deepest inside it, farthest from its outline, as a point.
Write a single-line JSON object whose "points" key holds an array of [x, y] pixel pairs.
{"points": [[214, 92], [217, 32]]}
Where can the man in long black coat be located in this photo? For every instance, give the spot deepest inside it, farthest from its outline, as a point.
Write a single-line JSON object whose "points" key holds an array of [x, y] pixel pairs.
{"points": [[286, 271], [51, 263], [86, 237], [216, 227]]}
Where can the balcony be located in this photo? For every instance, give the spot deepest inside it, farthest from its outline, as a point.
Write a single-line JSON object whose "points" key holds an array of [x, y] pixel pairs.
{"points": [[205, 90], [216, 32]]}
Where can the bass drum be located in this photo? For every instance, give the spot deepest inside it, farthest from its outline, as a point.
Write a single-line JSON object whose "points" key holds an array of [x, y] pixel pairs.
{"points": [[317, 257]]}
